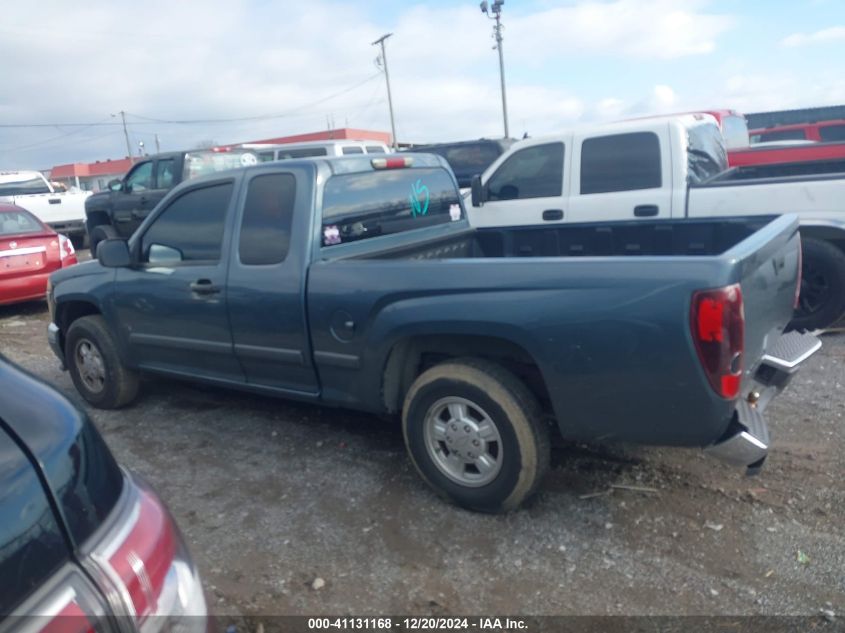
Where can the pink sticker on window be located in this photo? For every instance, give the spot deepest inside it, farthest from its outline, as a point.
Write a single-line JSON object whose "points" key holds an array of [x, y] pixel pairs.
{"points": [[331, 235]]}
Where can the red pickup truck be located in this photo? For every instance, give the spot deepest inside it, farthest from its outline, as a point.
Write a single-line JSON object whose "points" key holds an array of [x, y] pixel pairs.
{"points": [[825, 141]]}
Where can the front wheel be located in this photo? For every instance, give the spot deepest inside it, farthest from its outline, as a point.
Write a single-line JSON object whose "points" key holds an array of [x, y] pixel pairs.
{"points": [[95, 367], [821, 302], [476, 434]]}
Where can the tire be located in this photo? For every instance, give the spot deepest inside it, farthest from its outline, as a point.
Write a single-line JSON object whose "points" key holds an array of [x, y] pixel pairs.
{"points": [[821, 302], [99, 233], [489, 394], [88, 341]]}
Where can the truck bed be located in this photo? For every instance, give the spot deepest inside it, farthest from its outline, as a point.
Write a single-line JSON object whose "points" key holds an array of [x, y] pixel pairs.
{"points": [[659, 238], [560, 296]]}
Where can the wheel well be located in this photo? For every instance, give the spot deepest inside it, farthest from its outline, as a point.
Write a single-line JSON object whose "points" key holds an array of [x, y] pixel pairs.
{"points": [[826, 234], [67, 313], [96, 218], [410, 357]]}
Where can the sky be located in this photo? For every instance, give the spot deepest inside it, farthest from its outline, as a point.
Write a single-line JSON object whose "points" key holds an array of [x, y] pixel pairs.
{"points": [[224, 71]]}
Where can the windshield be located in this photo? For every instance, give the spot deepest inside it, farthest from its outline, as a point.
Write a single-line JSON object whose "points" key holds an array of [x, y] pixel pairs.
{"points": [[204, 162], [707, 155], [735, 131], [22, 185]]}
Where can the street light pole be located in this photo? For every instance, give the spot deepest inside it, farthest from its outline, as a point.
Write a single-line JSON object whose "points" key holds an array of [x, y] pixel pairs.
{"points": [[380, 42], [497, 35]]}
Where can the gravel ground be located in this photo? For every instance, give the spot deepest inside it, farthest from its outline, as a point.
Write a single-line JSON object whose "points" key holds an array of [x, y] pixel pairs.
{"points": [[272, 495]]}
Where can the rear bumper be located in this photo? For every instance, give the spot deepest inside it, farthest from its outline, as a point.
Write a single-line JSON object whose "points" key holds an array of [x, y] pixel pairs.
{"points": [[68, 227], [746, 442], [25, 288]]}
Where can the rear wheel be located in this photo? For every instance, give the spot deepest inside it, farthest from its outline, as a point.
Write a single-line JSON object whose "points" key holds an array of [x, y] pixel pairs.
{"points": [[476, 435], [95, 367], [821, 302]]}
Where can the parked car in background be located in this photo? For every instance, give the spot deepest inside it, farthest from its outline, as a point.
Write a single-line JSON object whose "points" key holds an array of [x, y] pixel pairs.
{"points": [[311, 149], [357, 282], [120, 210], [29, 252], [467, 158], [670, 168], [62, 211], [820, 131], [84, 544]]}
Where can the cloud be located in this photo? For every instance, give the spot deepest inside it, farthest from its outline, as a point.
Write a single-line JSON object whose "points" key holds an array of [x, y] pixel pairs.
{"points": [[831, 34], [643, 29]]}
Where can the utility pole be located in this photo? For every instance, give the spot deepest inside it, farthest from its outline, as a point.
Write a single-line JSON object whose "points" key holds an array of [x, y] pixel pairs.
{"points": [[380, 42], [126, 136], [497, 35], [158, 148]]}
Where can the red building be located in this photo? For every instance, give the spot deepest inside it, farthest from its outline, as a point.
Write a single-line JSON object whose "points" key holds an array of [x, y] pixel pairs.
{"points": [[96, 176], [90, 176]]}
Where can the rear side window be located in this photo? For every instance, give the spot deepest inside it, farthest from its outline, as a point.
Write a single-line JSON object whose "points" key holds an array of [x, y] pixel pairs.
{"points": [[375, 149], [369, 204], [165, 173], [533, 172], [13, 222], [190, 228], [353, 149], [620, 162], [31, 545], [268, 213], [832, 133]]}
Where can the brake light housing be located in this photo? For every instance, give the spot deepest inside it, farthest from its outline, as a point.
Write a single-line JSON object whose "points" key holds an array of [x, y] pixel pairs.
{"points": [[66, 249], [392, 163], [717, 321]]}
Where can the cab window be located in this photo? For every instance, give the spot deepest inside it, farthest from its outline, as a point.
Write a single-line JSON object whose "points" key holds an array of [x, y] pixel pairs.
{"points": [[533, 172], [141, 178], [267, 218], [620, 162], [190, 229]]}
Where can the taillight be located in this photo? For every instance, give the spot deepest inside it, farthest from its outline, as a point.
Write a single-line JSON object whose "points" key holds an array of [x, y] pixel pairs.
{"points": [[718, 330], [800, 271], [145, 559], [65, 248]]}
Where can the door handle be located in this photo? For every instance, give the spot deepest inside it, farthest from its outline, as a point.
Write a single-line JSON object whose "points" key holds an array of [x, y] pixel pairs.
{"points": [[550, 215], [204, 287], [143, 200], [646, 210]]}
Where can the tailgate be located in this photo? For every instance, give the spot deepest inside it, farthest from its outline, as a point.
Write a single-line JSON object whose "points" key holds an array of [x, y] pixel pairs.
{"points": [[54, 207], [767, 264]]}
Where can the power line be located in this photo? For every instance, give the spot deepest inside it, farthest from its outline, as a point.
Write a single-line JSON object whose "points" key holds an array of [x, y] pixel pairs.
{"points": [[145, 120]]}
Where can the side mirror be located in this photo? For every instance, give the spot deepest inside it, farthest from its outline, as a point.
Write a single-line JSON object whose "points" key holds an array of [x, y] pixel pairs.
{"points": [[113, 253], [478, 198], [115, 185]]}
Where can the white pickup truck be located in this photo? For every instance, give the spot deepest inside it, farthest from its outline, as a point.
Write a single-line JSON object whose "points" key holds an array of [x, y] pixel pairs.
{"points": [[62, 211], [669, 168]]}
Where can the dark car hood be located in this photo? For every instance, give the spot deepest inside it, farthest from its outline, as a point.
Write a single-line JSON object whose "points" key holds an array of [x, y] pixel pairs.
{"points": [[80, 470], [85, 269]]}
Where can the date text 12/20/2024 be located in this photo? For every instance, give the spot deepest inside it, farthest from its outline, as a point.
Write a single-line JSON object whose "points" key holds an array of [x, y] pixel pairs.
{"points": [[418, 624]]}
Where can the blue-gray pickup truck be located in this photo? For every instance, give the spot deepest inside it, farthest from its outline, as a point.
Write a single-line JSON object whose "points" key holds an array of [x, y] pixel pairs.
{"points": [[357, 282]]}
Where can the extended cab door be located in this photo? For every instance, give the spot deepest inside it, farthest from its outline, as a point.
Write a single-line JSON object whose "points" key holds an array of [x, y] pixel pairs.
{"points": [[170, 307], [626, 176], [266, 284], [527, 186], [134, 200]]}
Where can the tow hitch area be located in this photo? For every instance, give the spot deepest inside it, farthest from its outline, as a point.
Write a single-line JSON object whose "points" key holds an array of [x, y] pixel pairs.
{"points": [[746, 442]]}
